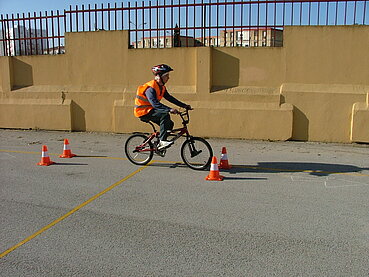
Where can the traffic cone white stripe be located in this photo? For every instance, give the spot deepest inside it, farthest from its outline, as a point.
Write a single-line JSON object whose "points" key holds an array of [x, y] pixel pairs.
{"points": [[214, 167]]}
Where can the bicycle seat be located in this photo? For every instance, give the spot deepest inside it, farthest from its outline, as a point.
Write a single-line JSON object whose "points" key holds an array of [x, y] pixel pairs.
{"points": [[145, 120], [149, 122]]}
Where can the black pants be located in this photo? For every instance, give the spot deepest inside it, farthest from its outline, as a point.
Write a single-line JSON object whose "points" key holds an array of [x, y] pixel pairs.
{"points": [[161, 118]]}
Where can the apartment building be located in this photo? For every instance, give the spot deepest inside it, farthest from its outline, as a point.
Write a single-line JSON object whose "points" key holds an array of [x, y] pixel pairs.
{"points": [[166, 42], [251, 37], [22, 40]]}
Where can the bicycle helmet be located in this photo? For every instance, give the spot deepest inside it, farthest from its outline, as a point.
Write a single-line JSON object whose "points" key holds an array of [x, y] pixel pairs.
{"points": [[161, 69]]}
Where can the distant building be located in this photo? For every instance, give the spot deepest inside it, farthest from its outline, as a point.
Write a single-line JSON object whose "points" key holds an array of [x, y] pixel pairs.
{"points": [[21, 40], [209, 41], [55, 50], [166, 42], [251, 37]]}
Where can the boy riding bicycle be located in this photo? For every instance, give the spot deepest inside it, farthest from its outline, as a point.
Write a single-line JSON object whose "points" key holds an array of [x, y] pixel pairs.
{"points": [[149, 108]]}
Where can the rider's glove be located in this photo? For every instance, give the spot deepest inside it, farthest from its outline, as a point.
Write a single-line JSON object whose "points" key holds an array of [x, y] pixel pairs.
{"points": [[174, 111]]}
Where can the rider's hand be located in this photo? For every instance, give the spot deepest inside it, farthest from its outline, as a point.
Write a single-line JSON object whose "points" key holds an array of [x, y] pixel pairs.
{"points": [[188, 107], [174, 111]]}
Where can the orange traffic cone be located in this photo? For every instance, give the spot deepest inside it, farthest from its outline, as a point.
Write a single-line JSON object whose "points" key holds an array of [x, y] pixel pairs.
{"points": [[214, 171], [45, 159], [67, 153], [224, 160]]}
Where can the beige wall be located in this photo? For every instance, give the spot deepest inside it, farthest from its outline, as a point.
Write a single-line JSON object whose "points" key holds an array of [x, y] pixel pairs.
{"points": [[258, 67], [313, 88], [39, 70], [327, 55], [183, 60]]}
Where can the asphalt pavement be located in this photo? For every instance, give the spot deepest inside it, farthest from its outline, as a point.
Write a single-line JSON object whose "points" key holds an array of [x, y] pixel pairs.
{"points": [[283, 209]]}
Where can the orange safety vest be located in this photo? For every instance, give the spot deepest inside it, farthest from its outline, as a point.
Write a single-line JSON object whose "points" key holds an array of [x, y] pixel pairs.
{"points": [[142, 104]]}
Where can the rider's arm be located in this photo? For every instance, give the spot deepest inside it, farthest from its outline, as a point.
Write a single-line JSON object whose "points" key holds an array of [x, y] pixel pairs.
{"points": [[151, 96], [174, 100]]}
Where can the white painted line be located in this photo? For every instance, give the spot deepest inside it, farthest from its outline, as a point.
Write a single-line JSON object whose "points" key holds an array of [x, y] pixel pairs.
{"points": [[7, 154]]}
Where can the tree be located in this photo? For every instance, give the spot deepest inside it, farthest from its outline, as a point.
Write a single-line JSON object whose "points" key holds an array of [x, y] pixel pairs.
{"points": [[176, 37]]}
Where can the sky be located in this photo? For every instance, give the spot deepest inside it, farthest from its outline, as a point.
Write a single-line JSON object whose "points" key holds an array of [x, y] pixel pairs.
{"points": [[25, 6]]}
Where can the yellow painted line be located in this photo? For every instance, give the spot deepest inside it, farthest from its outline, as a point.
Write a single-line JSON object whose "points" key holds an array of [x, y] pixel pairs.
{"points": [[71, 212], [54, 154], [23, 152]]}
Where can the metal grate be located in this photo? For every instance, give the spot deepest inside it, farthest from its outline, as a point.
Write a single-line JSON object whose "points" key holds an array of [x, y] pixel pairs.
{"points": [[176, 23]]}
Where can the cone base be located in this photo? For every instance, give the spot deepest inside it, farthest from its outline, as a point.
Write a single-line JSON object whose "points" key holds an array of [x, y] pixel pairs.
{"points": [[210, 178], [67, 156], [45, 164]]}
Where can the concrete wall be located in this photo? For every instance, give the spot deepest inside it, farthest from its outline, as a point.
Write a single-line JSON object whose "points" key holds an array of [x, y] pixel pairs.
{"points": [[313, 88], [327, 74]]}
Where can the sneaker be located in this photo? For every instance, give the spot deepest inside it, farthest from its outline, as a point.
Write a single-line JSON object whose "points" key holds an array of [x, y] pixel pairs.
{"points": [[164, 144]]}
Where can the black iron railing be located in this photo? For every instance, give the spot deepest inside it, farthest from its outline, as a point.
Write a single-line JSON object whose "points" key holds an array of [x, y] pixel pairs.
{"points": [[176, 23]]}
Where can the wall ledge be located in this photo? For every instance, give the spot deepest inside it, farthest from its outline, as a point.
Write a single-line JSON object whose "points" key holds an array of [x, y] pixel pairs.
{"points": [[36, 114], [324, 88], [360, 122]]}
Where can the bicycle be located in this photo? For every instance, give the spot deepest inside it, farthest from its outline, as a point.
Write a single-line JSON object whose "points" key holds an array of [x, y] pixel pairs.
{"points": [[196, 152]]}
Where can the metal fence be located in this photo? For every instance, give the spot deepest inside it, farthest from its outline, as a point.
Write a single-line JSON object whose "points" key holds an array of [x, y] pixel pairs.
{"points": [[176, 23]]}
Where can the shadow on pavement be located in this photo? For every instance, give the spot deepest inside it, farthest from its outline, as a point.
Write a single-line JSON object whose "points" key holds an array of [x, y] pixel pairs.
{"points": [[316, 169], [56, 163], [243, 178], [170, 165], [93, 156], [182, 165]]}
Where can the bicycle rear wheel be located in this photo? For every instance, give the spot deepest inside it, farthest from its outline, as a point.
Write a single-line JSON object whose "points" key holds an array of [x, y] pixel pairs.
{"points": [[138, 149], [196, 153]]}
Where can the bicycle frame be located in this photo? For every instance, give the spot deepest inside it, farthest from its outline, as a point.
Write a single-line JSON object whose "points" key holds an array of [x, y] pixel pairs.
{"points": [[175, 133]]}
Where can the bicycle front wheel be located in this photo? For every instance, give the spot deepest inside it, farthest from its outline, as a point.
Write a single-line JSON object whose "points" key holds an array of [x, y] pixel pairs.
{"points": [[138, 149], [196, 153]]}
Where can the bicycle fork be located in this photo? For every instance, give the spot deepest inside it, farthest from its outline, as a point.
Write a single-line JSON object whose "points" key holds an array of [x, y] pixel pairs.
{"points": [[193, 150]]}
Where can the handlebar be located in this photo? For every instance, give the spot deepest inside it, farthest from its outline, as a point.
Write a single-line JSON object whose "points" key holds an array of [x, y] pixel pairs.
{"points": [[185, 116]]}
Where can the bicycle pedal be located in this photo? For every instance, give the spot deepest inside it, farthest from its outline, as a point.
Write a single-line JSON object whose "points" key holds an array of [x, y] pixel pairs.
{"points": [[161, 153]]}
